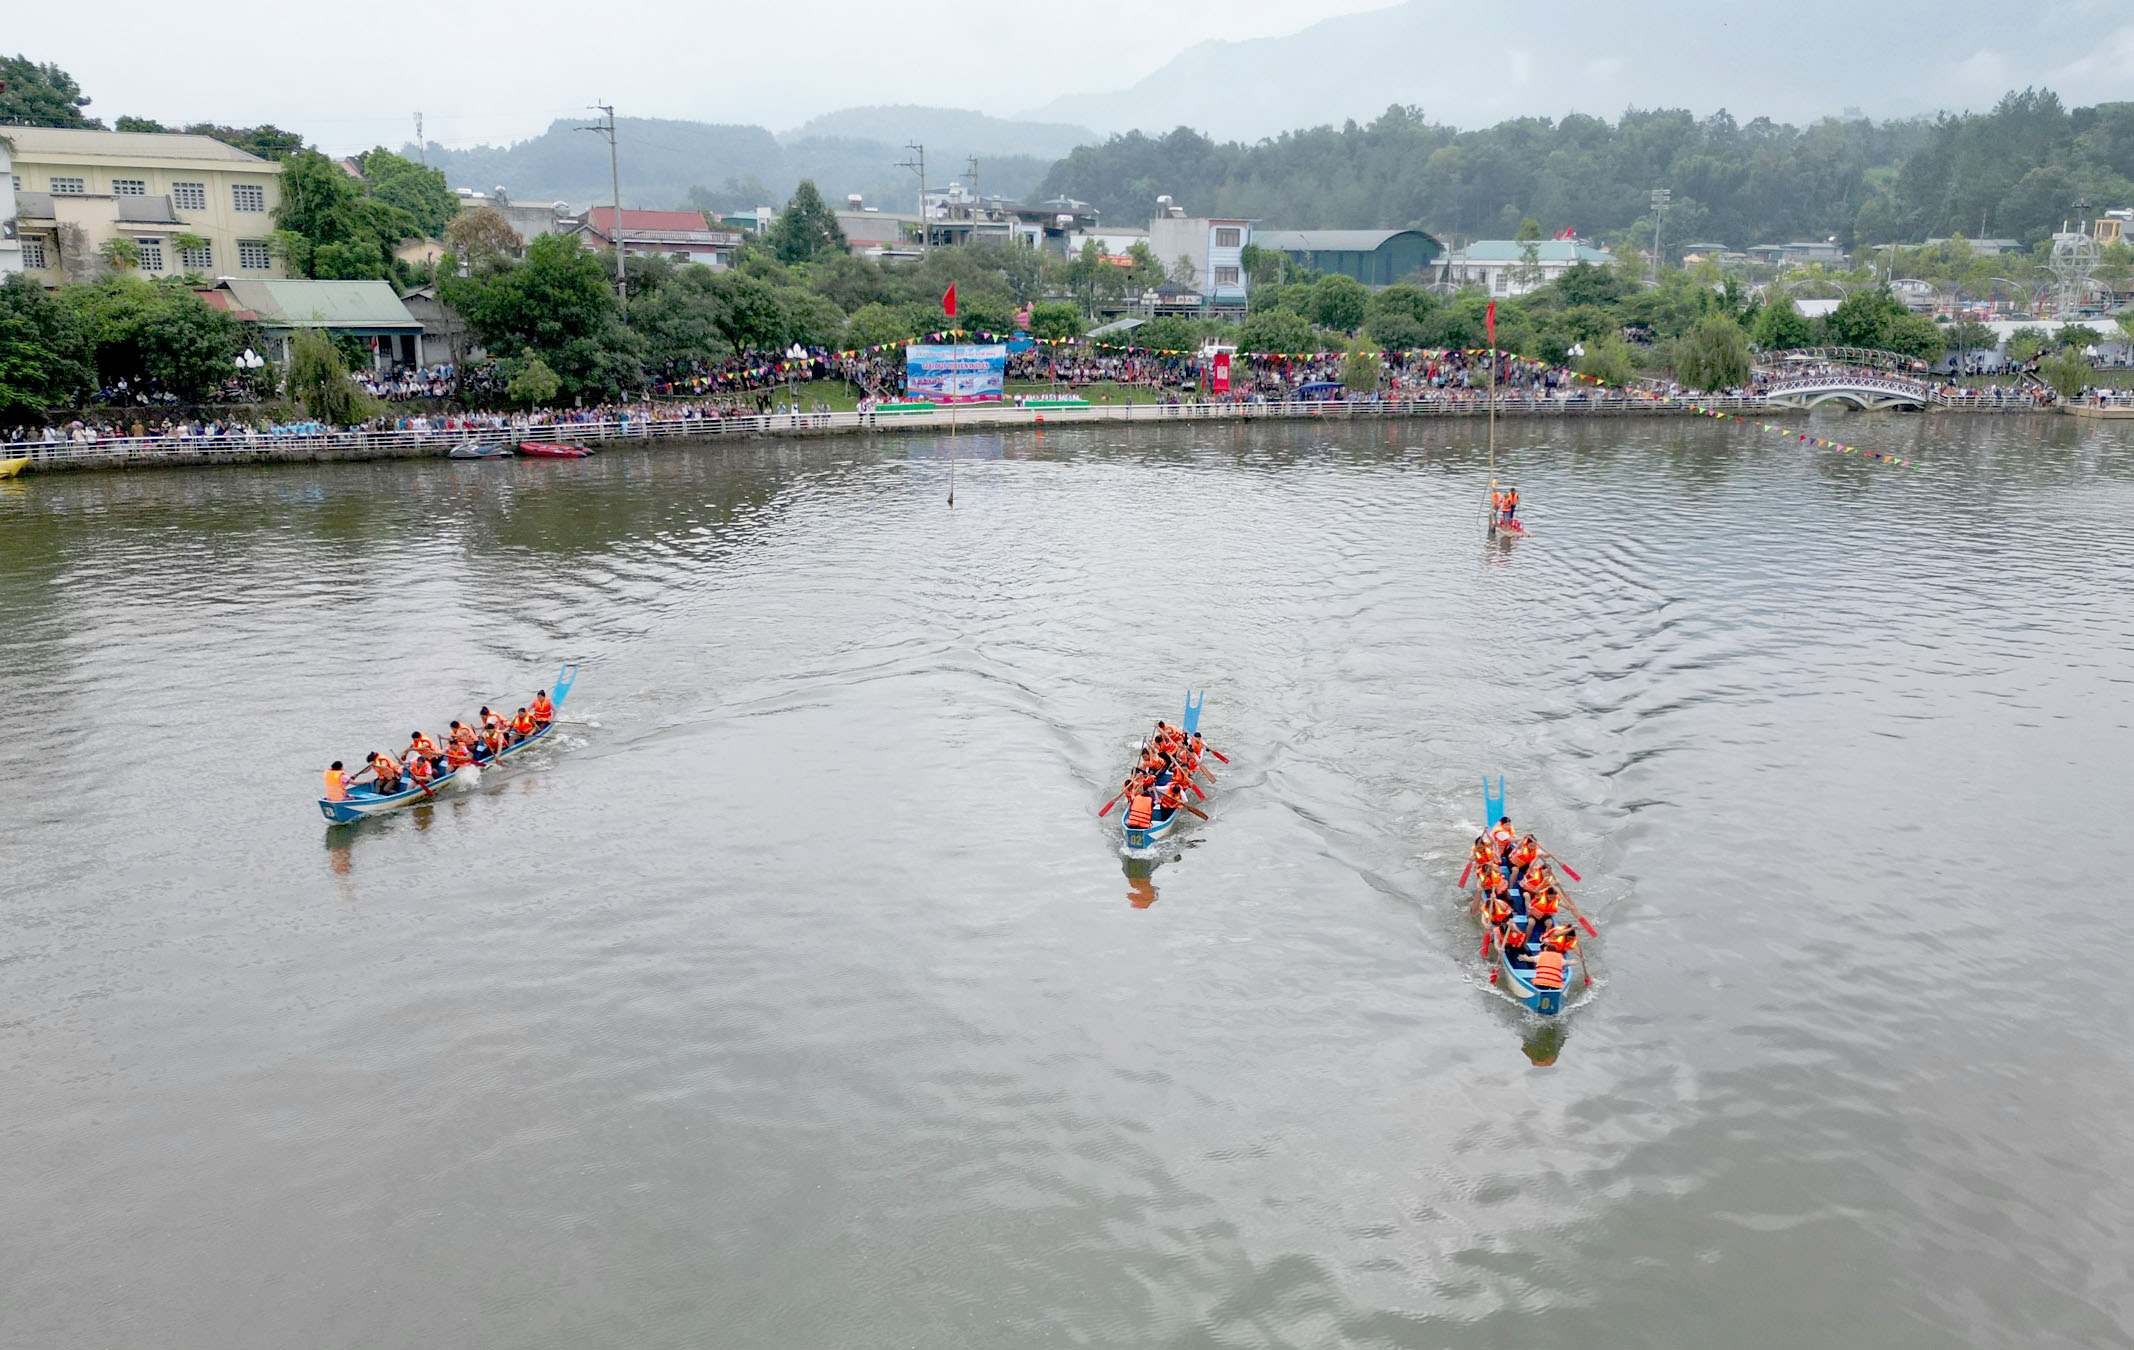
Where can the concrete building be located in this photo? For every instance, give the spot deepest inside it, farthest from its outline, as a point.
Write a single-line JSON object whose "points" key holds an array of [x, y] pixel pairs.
{"points": [[187, 203], [361, 309], [1799, 253], [880, 234], [1213, 248], [1373, 257], [1502, 267], [10, 241], [661, 234], [955, 217]]}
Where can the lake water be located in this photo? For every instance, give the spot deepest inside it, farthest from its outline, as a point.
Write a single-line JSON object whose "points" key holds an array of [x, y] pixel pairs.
{"points": [[798, 998]]}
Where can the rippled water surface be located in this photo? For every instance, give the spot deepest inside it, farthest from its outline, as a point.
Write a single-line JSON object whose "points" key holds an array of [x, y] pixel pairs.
{"points": [[799, 999]]}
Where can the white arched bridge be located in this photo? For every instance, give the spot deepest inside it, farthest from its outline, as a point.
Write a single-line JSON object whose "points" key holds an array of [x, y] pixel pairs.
{"points": [[1874, 381]]}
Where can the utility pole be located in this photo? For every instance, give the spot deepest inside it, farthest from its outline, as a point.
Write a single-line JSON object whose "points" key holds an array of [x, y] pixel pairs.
{"points": [[973, 175], [917, 164], [422, 151], [607, 129], [1660, 198]]}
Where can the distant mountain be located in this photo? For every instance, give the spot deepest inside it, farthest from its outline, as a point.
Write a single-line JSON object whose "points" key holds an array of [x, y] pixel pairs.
{"points": [[968, 132], [702, 164], [1472, 65]]}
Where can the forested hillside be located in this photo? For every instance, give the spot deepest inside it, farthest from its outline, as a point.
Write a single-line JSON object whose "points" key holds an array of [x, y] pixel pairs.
{"points": [[2016, 171]]}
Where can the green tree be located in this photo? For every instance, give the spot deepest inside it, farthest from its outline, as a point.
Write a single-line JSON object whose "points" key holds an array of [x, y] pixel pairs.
{"points": [[1713, 355], [1865, 318], [2027, 344], [1362, 369], [1055, 320], [330, 228], [320, 384], [2066, 372], [1172, 333], [1279, 331], [482, 238], [2077, 336], [1607, 359], [533, 384], [138, 124], [142, 331], [41, 95], [1337, 302], [807, 229], [43, 361], [1395, 331], [879, 324], [557, 303], [417, 190], [266, 141], [1969, 335], [120, 252]]}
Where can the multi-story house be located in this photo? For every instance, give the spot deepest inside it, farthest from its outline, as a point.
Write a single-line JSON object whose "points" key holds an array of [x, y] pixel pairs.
{"points": [[186, 204]]}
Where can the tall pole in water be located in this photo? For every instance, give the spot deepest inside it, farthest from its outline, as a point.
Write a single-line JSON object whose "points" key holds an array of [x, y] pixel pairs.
{"points": [[1492, 421]]}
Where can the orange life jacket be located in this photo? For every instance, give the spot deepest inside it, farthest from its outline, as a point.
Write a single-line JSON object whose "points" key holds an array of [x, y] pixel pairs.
{"points": [[336, 785], [495, 736], [1562, 938], [1524, 853], [458, 754], [1542, 905], [465, 735], [1498, 910], [543, 710], [1493, 881], [419, 769], [492, 718], [1502, 837], [1139, 812], [421, 746], [386, 768], [523, 724], [1548, 970]]}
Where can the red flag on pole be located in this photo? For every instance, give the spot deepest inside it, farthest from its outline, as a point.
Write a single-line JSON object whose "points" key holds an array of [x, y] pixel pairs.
{"points": [[948, 301], [1489, 321]]}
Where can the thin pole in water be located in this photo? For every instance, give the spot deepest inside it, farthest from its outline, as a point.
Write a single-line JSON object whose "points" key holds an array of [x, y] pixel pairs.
{"points": [[1492, 499]]}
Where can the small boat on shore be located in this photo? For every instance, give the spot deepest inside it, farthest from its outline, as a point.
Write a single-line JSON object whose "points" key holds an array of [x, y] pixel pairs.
{"points": [[553, 450], [1521, 974], [479, 450], [364, 800]]}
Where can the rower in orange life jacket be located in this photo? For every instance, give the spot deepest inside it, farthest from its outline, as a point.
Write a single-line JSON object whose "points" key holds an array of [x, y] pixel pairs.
{"points": [[1493, 881], [1537, 879], [491, 718], [1496, 910], [544, 712], [1509, 506], [1502, 837], [1140, 810], [420, 746], [459, 747], [1524, 852], [336, 783], [420, 769], [384, 771], [1548, 970], [1541, 904], [1561, 938], [522, 725]]}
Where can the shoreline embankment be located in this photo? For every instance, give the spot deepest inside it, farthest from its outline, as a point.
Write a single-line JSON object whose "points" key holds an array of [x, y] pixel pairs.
{"points": [[113, 452]]}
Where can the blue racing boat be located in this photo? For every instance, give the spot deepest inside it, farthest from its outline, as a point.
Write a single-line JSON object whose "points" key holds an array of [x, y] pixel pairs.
{"points": [[1516, 972], [1166, 820], [364, 799]]}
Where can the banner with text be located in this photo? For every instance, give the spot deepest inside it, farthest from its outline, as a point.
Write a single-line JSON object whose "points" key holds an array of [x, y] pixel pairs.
{"points": [[966, 373]]}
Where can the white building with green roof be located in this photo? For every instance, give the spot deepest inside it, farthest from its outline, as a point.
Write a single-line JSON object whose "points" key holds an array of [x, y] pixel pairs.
{"points": [[1508, 267]]}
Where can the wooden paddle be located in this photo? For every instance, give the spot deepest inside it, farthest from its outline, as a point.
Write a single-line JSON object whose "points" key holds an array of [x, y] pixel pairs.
{"points": [[1215, 752], [1579, 914], [1194, 809], [1561, 863], [1465, 872]]}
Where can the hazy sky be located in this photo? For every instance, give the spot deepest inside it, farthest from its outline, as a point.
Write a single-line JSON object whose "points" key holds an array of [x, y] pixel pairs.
{"points": [[487, 72]]}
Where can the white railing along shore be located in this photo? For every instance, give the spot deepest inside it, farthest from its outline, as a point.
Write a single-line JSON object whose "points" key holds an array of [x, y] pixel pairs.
{"points": [[261, 447]]}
